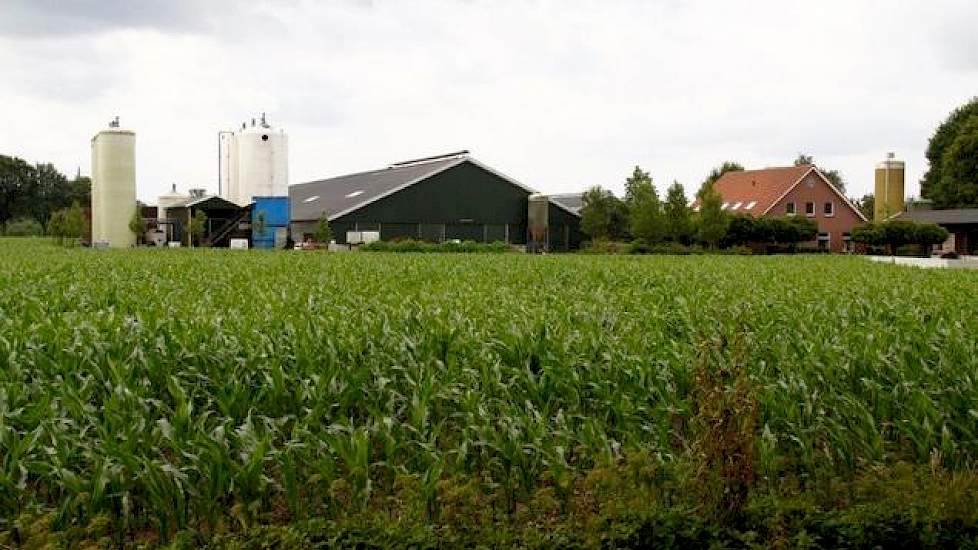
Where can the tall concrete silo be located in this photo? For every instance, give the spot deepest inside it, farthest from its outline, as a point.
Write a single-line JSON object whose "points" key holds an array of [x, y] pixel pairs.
{"points": [[113, 186], [889, 188], [253, 162]]}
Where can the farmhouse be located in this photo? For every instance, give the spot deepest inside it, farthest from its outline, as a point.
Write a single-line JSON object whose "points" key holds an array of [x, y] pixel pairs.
{"points": [[436, 199], [961, 223], [793, 191]]}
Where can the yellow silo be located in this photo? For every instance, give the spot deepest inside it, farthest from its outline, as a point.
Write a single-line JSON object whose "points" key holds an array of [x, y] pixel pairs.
{"points": [[889, 188]]}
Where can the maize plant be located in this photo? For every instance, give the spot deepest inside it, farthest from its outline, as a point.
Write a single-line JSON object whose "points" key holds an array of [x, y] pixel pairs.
{"points": [[173, 388]]}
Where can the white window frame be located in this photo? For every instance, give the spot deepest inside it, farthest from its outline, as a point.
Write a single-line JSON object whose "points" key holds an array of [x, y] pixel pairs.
{"points": [[831, 212], [750, 205], [812, 213], [790, 208]]}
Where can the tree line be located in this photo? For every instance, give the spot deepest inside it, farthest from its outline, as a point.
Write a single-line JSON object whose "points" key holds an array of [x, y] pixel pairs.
{"points": [[32, 194], [643, 218]]}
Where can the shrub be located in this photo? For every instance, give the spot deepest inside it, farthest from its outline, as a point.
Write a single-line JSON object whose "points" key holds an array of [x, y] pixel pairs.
{"points": [[411, 245], [24, 227]]}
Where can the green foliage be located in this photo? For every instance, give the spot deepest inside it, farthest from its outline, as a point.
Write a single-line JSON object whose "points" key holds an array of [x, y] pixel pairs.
{"points": [[941, 141], [711, 221], [866, 205], [23, 227], [714, 175], [603, 216], [677, 214], [261, 224], [834, 177], [644, 209], [787, 231], [324, 233], [958, 183], [37, 191], [137, 225], [411, 245], [896, 233], [504, 400], [196, 227], [67, 225]]}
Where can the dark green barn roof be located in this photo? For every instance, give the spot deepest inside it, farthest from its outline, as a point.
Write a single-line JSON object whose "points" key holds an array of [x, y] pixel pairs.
{"points": [[339, 196]]}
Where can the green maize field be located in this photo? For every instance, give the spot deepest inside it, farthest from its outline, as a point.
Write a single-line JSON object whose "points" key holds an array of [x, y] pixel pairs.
{"points": [[153, 393]]}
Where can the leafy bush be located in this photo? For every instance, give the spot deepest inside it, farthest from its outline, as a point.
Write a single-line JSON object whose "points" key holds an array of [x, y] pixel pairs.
{"points": [[895, 234], [23, 227], [411, 245]]}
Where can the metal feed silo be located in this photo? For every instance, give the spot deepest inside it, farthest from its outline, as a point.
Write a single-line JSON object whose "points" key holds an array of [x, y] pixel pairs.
{"points": [[889, 188], [113, 186], [169, 199], [253, 162], [538, 210]]}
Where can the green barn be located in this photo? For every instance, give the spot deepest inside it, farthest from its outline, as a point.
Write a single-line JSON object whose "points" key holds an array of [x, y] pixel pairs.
{"points": [[441, 198]]}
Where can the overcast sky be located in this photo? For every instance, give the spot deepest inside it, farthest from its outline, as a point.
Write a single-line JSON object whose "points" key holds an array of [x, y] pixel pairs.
{"points": [[560, 95]]}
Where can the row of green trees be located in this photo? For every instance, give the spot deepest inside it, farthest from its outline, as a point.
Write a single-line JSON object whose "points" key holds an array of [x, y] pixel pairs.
{"points": [[898, 233], [642, 216], [30, 194]]}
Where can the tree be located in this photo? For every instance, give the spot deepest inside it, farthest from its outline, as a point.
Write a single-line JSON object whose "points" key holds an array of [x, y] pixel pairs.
{"points": [[896, 233], [261, 224], [138, 225], [36, 191], [196, 227], [74, 223], [942, 139], [716, 173], [644, 208], [866, 205], [711, 223], [679, 225], [958, 183], [834, 177], [603, 216], [928, 234], [324, 234]]}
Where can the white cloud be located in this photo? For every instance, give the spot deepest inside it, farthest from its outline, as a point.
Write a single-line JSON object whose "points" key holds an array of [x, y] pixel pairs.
{"points": [[560, 95]]}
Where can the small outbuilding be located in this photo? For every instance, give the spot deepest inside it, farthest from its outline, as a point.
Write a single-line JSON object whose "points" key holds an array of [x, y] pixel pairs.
{"points": [[440, 198]]}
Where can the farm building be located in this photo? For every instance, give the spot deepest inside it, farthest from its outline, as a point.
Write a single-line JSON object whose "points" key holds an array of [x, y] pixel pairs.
{"points": [[961, 223], [433, 199], [225, 220], [793, 191]]}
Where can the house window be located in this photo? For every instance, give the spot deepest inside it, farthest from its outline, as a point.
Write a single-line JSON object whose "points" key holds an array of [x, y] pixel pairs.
{"points": [[789, 209], [750, 205], [809, 209], [829, 209], [847, 242]]}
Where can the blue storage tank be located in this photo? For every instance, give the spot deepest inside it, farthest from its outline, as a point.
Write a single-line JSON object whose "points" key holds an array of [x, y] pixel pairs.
{"points": [[276, 213]]}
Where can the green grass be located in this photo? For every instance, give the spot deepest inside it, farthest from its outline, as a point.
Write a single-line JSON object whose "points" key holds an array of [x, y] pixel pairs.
{"points": [[147, 394]]}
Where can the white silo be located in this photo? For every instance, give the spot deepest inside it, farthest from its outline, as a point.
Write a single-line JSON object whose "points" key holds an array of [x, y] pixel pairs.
{"points": [[253, 162], [169, 199], [113, 186]]}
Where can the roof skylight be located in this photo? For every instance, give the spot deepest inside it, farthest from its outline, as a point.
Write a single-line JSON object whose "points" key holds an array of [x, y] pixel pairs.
{"points": [[725, 205], [750, 205], [736, 205]]}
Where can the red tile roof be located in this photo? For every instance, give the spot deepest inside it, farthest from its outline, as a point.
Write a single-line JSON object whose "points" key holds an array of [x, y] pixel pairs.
{"points": [[763, 186]]}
